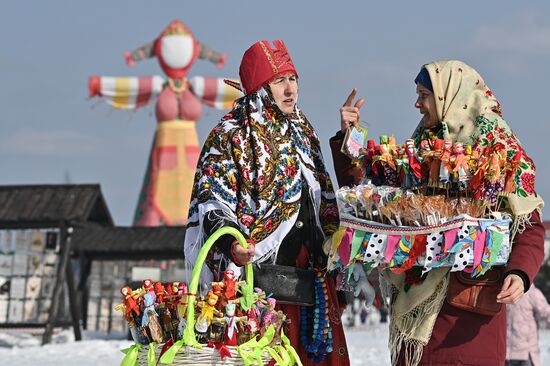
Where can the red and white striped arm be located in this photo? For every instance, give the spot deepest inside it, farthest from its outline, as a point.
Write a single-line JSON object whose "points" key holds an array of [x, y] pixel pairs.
{"points": [[125, 92], [214, 92]]}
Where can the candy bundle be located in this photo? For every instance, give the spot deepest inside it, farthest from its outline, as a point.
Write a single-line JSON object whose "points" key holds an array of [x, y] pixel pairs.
{"points": [[401, 207], [484, 173]]}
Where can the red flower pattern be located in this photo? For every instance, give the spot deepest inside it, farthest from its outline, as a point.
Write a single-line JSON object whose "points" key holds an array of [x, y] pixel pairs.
{"points": [[247, 220], [209, 171], [528, 182], [291, 171]]}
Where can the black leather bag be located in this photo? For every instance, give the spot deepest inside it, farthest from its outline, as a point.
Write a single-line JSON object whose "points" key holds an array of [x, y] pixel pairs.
{"points": [[289, 285]]}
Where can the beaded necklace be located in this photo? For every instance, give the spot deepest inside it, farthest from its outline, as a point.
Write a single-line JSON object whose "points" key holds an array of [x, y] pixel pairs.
{"points": [[321, 343]]}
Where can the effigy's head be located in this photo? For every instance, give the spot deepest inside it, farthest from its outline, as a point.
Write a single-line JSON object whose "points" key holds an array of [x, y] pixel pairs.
{"points": [[176, 49]]}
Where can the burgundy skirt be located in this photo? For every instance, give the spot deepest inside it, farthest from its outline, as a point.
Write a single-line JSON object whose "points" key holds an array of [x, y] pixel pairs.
{"points": [[339, 356]]}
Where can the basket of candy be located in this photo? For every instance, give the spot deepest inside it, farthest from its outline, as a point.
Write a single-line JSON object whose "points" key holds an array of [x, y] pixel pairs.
{"points": [[233, 324], [428, 209]]}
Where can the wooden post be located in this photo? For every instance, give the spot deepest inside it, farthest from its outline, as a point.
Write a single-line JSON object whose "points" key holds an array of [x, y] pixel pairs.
{"points": [[98, 314], [83, 291], [73, 301], [61, 270]]}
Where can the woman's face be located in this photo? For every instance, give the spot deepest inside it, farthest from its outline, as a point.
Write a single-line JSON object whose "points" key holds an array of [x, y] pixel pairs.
{"points": [[426, 104], [285, 92]]}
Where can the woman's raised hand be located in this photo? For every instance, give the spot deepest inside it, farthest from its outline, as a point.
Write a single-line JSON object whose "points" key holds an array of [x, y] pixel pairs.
{"points": [[349, 113]]}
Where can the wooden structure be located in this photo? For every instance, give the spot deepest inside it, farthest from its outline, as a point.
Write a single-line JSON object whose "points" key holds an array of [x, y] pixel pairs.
{"points": [[93, 243], [36, 227], [59, 224]]}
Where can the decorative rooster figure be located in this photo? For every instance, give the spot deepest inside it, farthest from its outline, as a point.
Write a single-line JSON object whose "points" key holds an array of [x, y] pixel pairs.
{"points": [[168, 182]]}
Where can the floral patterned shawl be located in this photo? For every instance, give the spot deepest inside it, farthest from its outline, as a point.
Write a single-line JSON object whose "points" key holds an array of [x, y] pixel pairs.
{"points": [[252, 168], [470, 113]]}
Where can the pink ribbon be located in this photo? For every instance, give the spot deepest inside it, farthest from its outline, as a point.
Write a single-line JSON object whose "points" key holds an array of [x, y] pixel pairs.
{"points": [[479, 245], [344, 249], [450, 238], [393, 240]]}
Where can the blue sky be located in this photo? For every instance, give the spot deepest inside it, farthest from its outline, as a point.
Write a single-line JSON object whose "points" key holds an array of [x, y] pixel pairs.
{"points": [[51, 132]]}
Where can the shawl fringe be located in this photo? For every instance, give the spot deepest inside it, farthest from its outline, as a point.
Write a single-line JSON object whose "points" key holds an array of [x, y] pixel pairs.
{"points": [[402, 342]]}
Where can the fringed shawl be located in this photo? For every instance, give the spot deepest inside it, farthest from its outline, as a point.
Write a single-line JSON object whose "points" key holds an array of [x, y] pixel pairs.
{"points": [[252, 168]]}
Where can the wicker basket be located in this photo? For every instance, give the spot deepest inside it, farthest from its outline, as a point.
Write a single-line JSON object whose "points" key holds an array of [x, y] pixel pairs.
{"points": [[193, 353]]}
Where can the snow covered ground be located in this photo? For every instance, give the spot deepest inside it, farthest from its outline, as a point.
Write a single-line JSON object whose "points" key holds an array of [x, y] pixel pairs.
{"points": [[367, 346]]}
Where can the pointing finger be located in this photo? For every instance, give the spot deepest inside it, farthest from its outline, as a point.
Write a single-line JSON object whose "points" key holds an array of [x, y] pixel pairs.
{"points": [[350, 98]]}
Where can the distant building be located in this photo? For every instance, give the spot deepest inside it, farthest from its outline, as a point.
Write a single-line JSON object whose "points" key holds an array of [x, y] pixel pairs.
{"points": [[62, 260]]}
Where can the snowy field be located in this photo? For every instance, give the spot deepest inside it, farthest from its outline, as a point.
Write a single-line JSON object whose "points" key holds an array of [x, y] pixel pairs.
{"points": [[367, 346]]}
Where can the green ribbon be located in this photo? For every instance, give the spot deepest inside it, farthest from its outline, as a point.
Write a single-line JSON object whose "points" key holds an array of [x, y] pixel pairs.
{"points": [[151, 357], [294, 357], [247, 299], [252, 350], [168, 356], [131, 355], [278, 359], [496, 239], [356, 242]]}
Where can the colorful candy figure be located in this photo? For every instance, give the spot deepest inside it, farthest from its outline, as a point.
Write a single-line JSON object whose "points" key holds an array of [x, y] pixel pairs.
{"points": [[369, 170], [461, 170], [414, 170], [435, 163], [445, 167], [426, 156], [166, 190], [385, 162]]}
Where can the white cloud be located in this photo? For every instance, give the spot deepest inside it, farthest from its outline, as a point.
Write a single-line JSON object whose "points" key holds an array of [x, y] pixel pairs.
{"points": [[56, 143], [527, 34]]}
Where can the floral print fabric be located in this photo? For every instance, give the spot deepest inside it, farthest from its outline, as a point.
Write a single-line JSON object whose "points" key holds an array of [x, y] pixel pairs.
{"points": [[252, 167], [470, 113]]}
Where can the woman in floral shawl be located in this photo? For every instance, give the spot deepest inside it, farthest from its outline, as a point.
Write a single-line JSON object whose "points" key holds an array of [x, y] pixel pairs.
{"points": [[425, 329], [262, 172]]}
